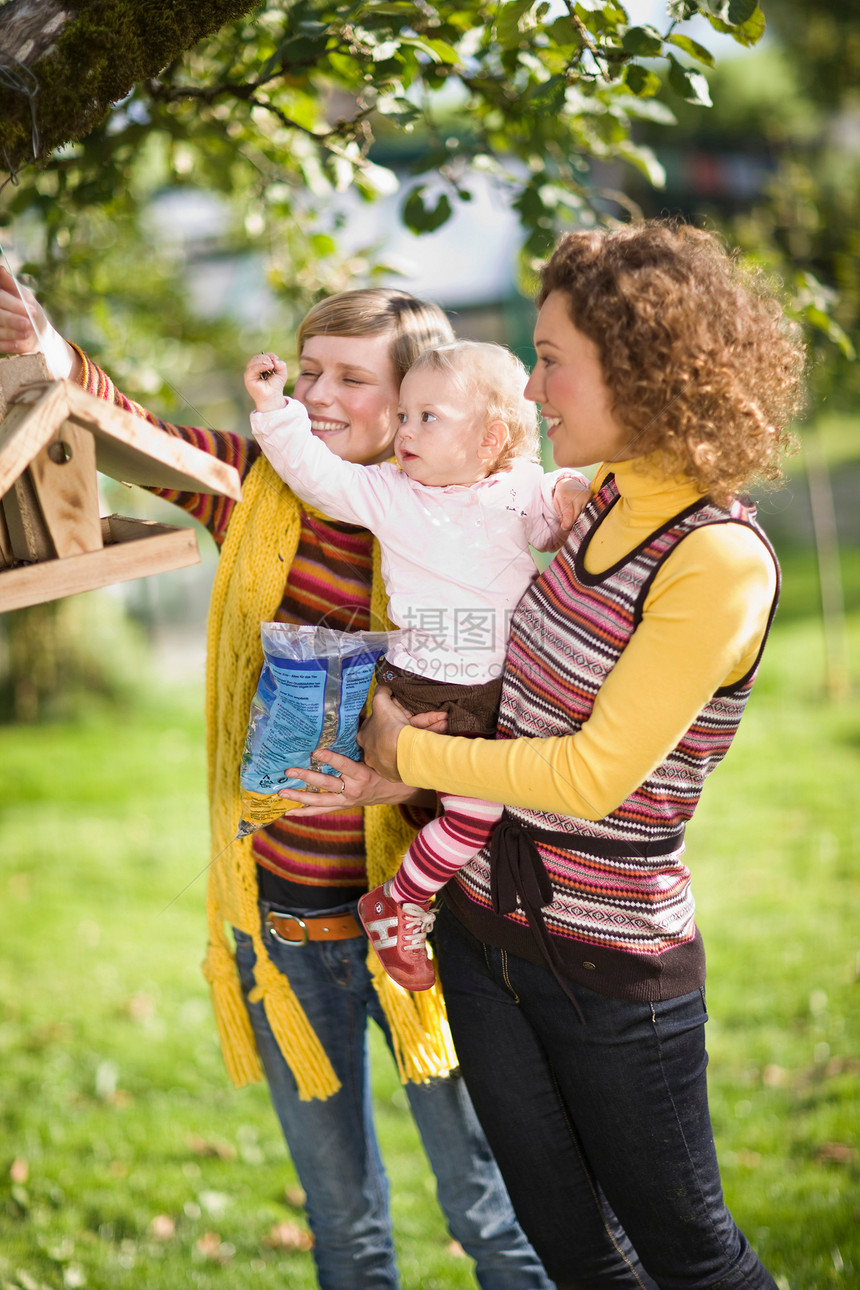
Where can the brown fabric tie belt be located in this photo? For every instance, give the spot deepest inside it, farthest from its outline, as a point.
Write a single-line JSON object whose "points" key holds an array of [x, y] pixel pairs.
{"points": [[292, 930], [518, 875]]}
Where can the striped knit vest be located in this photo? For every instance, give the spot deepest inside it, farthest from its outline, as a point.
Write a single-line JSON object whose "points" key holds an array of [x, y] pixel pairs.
{"points": [[621, 916]]}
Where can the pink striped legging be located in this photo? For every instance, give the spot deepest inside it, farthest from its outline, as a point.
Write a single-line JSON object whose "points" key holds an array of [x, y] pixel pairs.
{"points": [[443, 846]]}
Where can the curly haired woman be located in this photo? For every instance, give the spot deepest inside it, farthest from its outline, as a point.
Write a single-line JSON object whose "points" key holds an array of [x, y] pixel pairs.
{"points": [[571, 962]]}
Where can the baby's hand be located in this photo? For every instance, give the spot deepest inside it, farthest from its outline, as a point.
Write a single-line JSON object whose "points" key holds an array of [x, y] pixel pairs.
{"points": [[570, 498], [265, 378]]}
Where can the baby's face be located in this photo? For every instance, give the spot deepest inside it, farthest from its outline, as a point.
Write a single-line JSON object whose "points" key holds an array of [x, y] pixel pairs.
{"points": [[440, 434]]}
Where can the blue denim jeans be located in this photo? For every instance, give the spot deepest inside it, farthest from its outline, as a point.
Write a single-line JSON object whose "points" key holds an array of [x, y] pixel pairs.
{"points": [[596, 1120], [334, 1146]]}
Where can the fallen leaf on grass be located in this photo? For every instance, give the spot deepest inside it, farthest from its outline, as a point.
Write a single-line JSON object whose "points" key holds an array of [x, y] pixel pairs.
{"points": [[208, 1147], [841, 1065], [831, 1068], [837, 1153], [287, 1236], [53, 1032], [140, 1007], [213, 1248], [162, 1227], [19, 1170]]}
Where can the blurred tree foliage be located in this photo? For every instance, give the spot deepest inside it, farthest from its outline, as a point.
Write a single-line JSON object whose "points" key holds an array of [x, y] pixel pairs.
{"points": [[813, 212], [109, 106], [279, 110], [794, 104]]}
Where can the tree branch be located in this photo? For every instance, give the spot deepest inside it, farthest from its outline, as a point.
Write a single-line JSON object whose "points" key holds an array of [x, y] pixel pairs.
{"points": [[245, 93]]}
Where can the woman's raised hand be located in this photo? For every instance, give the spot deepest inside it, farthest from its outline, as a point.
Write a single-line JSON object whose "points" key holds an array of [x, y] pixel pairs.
{"points": [[18, 335]]}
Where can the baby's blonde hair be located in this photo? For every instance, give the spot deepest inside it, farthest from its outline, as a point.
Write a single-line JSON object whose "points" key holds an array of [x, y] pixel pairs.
{"points": [[495, 379]]}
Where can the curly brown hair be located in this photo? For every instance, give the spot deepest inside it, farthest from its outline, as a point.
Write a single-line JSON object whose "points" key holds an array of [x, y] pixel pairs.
{"points": [[704, 368]]}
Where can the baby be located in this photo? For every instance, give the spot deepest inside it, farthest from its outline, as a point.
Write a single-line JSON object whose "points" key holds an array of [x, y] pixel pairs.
{"points": [[454, 519]]}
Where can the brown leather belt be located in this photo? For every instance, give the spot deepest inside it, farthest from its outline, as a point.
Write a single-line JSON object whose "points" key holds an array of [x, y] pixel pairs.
{"points": [[292, 930]]}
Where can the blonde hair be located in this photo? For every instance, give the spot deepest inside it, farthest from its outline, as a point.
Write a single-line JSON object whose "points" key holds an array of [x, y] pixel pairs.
{"points": [[495, 380], [413, 324], [704, 369]]}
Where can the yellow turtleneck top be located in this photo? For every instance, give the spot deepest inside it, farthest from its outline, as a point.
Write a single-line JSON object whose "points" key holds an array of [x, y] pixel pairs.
{"points": [[703, 623]]}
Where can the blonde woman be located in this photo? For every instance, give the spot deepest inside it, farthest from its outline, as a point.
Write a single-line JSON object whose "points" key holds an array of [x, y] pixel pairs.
{"points": [[295, 1001]]}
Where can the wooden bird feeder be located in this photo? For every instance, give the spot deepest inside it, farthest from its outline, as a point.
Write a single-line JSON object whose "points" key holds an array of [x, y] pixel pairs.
{"points": [[54, 437]]}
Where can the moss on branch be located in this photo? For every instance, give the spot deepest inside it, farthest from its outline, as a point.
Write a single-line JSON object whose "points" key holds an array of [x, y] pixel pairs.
{"points": [[99, 50]]}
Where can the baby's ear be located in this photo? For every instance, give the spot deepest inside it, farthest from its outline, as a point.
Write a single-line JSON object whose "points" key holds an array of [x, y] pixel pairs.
{"points": [[493, 441]]}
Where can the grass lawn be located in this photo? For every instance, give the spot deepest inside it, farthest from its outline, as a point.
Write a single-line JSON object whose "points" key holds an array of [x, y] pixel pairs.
{"points": [[127, 1159]]}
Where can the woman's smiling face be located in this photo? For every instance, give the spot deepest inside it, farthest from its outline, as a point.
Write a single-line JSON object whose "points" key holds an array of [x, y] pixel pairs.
{"points": [[569, 385], [350, 388]]}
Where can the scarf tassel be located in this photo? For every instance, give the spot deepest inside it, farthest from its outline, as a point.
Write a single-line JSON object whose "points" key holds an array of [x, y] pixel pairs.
{"points": [[231, 1016], [294, 1035]]}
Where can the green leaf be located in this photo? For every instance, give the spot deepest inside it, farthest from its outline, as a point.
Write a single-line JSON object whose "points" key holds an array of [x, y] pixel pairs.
{"points": [[323, 244], [693, 48], [396, 9], [398, 109], [644, 42], [303, 49], [563, 34], [421, 218], [821, 321], [650, 109], [445, 53], [682, 10], [508, 29], [645, 161], [690, 86], [550, 96], [530, 203], [641, 80], [740, 11], [540, 243], [751, 32]]}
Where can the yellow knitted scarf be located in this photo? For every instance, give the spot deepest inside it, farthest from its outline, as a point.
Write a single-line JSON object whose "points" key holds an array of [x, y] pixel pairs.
{"points": [[261, 542]]}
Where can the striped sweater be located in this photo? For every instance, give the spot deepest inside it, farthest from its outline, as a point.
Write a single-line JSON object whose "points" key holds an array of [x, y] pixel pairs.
{"points": [[315, 862], [621, 916]]}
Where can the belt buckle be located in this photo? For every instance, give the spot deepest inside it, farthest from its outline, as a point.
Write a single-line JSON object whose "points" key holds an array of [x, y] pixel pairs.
{"points": [[282, 940]]}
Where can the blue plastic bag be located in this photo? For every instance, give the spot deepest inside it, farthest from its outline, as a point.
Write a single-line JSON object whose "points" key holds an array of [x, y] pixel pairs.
{"points": [[311, 693]]}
